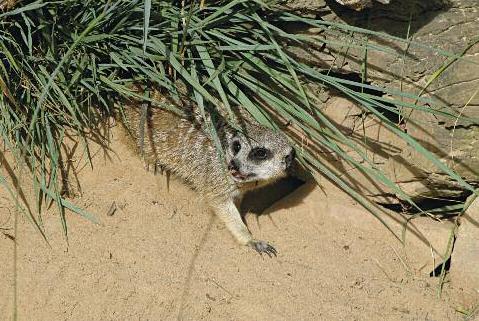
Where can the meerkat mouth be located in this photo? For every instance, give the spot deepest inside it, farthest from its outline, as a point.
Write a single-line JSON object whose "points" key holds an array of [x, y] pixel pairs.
{"points": [[240, 177]]}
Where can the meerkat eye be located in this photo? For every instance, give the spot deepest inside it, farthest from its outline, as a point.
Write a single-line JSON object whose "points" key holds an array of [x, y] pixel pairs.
{"points": [[259, 153], [236, 147]]}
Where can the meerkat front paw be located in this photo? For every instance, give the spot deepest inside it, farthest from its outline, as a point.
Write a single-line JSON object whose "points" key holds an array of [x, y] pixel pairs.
{"points": [[263, 247]]}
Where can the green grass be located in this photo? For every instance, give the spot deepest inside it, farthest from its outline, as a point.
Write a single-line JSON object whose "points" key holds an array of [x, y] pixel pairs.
{"points": [[469, 314], [65, 65]]}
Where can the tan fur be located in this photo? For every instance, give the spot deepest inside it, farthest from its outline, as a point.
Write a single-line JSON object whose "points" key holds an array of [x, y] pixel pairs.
{"points": [[182, 146]]}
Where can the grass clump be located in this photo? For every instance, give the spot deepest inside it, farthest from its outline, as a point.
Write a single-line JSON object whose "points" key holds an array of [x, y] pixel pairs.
{"points": [[67, 64]]}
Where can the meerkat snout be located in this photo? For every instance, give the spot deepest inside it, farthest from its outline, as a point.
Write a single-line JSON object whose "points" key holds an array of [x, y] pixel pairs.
{"points": [[288, 160]]}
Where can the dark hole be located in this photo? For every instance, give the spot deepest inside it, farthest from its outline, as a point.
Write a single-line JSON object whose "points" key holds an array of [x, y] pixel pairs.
{"points": [[442, 208], [437, 270]]}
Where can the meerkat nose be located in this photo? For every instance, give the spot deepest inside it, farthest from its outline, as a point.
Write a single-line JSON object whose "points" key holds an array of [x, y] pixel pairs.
{"points": [[289, 158]]}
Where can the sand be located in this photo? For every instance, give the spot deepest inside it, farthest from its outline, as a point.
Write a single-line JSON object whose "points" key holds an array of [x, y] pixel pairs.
{"points": [[163, 256]]}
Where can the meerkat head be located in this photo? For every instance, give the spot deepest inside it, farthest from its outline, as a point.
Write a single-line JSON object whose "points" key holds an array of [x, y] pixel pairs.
{"points": [[258, 154]]}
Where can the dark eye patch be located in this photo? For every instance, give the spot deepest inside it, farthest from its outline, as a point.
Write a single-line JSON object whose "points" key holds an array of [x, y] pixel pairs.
{"points": [[236, 147], [259, 153]]}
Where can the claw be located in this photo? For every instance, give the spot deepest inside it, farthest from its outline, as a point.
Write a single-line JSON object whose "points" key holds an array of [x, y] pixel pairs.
{"points": [[263, 247]]}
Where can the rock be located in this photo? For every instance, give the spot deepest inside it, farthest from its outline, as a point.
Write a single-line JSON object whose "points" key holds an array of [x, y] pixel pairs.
{"points": [[307, 8], [434, 26], [465, 257], [400, 162], [7, 4], [359, 5]]}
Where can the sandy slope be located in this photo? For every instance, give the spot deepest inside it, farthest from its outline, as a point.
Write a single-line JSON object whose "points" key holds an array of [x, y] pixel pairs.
{"points": [[162, 256]]}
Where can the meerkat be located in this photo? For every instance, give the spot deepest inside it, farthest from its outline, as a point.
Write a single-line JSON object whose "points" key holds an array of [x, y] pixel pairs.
{"points": [[253, 156]]}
